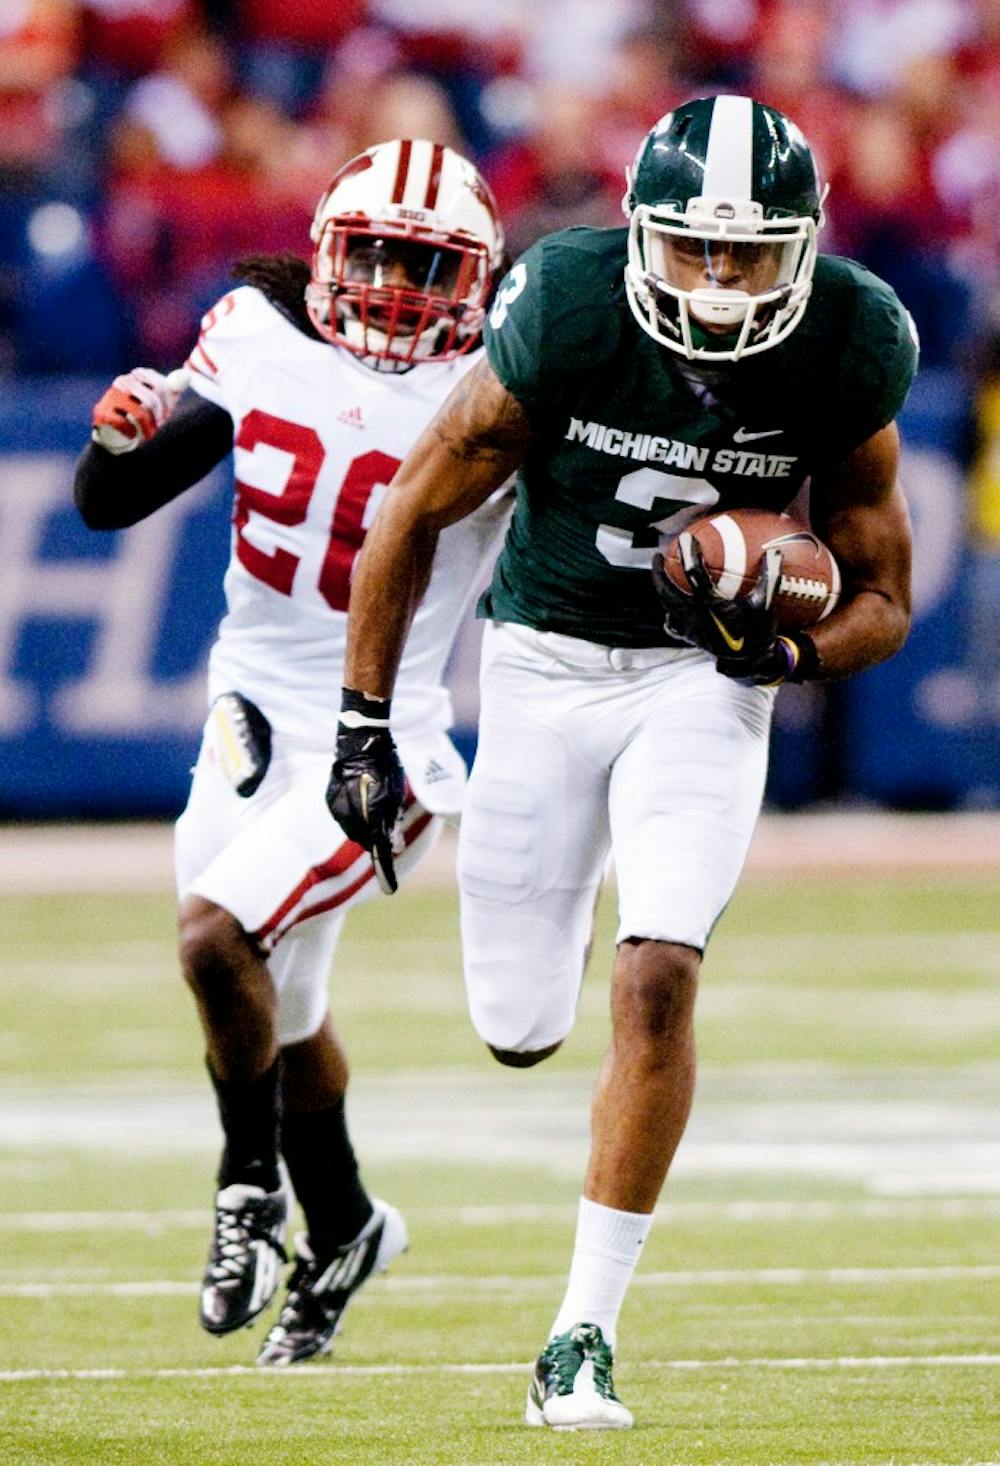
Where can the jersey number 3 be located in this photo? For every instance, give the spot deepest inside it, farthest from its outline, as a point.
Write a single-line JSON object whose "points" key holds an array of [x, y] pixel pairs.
{"points": [[653, 490], [351, 516]]}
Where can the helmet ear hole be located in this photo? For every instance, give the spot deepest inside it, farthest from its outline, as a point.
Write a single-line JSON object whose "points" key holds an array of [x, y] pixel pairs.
{"points": [[408, 246]]}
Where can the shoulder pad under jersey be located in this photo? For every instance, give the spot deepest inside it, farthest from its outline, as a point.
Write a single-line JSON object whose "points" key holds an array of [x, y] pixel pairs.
{"points": [[557, 313], [228, 330]]}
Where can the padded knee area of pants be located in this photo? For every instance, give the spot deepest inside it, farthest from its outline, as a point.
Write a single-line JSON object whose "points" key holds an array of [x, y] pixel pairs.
{"points": [[522, 973], [684, 799], [299, 1020], [503, 846], [300, 966]]}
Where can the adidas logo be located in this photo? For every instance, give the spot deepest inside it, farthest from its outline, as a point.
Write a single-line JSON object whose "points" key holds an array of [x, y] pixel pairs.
{"points": [[351, 416], [434, 772]]}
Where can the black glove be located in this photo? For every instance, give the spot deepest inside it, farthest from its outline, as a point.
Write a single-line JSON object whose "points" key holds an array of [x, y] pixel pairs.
{"points": [[367, 784], [739, 633]]}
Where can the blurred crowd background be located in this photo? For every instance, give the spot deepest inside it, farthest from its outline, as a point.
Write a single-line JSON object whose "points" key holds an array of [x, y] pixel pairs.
{"points": [[145, 145]]}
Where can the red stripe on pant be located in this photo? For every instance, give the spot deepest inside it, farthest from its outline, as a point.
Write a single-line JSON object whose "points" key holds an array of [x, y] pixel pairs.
{"points": [[415, 830], [338, 864]]}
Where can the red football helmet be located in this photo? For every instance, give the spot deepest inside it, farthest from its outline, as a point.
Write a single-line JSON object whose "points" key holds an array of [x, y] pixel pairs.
{"points": [[407, 246]]}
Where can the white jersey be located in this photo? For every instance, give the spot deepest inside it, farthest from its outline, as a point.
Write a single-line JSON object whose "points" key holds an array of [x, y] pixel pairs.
{"points": [[317, 438]]}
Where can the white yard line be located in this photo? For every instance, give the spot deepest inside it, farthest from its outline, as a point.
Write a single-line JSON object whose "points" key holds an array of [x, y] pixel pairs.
{"points": [[503, 1215], [875, 1135], [446, 1285], [320, 1371]]}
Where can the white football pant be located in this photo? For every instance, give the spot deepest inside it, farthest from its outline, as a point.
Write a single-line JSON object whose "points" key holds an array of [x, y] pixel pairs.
{"points": [[649, 753], [281, 864]]}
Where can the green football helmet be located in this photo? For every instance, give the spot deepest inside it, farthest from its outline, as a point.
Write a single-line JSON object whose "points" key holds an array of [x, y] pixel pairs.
{"points": [[724, 204]]}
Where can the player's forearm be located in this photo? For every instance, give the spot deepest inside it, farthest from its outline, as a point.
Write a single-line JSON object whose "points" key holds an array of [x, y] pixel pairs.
{"points": [[868, 629], [390, 578], [862, 515], [114, 492]]}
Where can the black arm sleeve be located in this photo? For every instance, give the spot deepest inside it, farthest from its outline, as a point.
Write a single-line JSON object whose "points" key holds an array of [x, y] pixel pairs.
{"points": [[113, 491]]}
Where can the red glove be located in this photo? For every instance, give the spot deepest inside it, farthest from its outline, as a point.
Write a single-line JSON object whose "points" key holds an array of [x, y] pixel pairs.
{"points": [[134, 406]]}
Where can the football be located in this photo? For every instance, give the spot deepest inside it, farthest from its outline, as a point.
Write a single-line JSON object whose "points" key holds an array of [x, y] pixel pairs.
{"points": [[733, 544]]}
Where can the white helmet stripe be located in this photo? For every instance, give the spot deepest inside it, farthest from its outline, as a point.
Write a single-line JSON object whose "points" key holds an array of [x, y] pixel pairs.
{"points": [[729, 156], [416, 178], [419, 169]]}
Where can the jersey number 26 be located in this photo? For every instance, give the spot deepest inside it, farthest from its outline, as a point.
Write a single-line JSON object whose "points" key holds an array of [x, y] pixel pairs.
{"points": [[348, 525]]}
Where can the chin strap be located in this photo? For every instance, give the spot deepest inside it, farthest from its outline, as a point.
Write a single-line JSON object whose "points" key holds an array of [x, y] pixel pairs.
{"points": [[386, 365]]}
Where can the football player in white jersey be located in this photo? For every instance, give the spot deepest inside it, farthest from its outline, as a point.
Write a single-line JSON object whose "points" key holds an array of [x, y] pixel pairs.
{"points": [[318, 379]]}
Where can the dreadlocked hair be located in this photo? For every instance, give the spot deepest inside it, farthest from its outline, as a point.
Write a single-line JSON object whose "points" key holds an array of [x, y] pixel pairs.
{"points": [[282, 278]]}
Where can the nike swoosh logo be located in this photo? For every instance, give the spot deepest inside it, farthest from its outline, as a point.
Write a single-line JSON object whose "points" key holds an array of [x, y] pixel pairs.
{"points": [[734, 643], [742, 436]]}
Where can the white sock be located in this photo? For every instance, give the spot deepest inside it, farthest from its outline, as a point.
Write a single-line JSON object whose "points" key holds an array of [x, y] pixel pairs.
{"points": [[607, 1248]]}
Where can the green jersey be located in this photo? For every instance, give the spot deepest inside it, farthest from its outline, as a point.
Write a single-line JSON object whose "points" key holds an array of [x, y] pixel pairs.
{"points": [[631, 435]]}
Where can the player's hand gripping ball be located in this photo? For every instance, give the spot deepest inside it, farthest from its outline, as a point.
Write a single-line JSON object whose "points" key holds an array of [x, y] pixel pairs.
{"points": [[733, 548], [740, 586]]}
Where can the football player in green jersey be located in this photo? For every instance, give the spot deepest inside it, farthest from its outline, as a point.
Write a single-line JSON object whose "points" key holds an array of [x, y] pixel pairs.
{"points": [[634, 378]]}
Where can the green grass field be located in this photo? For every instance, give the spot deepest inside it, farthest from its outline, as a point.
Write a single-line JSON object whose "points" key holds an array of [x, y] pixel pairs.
{"points": [[822, 1284]]}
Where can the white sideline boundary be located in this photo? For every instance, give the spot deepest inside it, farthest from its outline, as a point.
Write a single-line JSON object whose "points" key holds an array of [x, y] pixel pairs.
{"points": [[43, 858], [645, 1366]]}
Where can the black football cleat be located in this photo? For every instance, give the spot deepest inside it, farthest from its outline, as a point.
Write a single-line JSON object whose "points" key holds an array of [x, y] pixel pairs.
{"points": [[320, 1289], [244, 1264]]}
